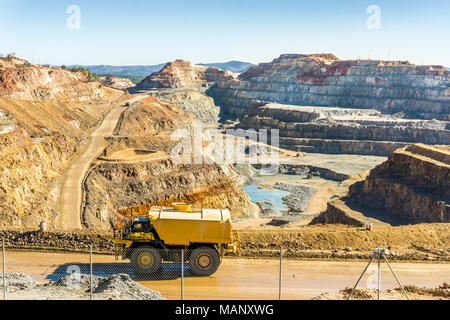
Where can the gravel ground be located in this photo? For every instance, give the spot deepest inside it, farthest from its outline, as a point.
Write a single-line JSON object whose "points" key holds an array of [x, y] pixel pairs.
{"points": [[17, 281], [297, 201], [414, 293], [76, 287], [298, 197]]}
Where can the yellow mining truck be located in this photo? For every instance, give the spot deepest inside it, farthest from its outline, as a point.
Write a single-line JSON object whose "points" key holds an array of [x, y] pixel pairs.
{"points": [[160, 234]]}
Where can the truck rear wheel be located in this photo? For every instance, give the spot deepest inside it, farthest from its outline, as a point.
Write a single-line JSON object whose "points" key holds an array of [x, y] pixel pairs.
{"points": [[145, 260], [204, 261]]}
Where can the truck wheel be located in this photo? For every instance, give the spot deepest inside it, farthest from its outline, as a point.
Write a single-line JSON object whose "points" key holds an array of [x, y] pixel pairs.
{"points": [[204, 261], [145, 260]]}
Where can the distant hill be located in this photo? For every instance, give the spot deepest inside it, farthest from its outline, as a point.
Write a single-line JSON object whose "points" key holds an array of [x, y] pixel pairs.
{"points": [[137, 73], [134, 71], [233, 66]]}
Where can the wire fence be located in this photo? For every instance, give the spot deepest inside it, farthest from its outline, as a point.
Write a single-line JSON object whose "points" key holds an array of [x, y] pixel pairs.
{"points": [[190, 274]]}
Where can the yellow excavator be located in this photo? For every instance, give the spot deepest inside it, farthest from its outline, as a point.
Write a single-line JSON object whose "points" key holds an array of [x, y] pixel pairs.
{"points": [[159, 233]]}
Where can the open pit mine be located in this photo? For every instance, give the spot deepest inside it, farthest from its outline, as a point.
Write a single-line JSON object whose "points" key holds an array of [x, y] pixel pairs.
{"points": [[361, 143]]}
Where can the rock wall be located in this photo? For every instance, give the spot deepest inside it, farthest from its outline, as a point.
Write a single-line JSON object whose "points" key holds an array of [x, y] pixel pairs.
{"points": [[184, 84], [318, 102], [305, 170], [349, 130], [151, 116], [324, 80], [192, 101], [36, 144], [331, 146], [116, 82], [337, 130], [183, 74], [24, 81], [115, 186], [338, 213], [412, 186]]}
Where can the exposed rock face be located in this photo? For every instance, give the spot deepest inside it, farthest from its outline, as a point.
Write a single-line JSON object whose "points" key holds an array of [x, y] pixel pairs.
{"points": [[305, 170], [7, 122], [37, 139], [116, 82], [114, 186], [354, 101], [337, 130], [151, 116], [324, 80], [183, 74], [184, 84], [413, 185], [192, 101], [111, 186], [22, 80], [339, 213]]}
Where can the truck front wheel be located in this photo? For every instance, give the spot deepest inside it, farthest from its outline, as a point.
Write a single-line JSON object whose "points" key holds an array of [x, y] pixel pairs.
{"points": [[204, 261], [145, 260]]}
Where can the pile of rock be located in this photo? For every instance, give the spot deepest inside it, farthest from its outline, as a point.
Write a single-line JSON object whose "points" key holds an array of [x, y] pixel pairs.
{"points": [[61, 241], [298, 197], [77, 286], [17, 281], [121, 286]]}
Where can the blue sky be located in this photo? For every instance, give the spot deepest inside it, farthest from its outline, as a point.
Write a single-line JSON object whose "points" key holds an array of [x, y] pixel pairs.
{"points": [[151, 32]]}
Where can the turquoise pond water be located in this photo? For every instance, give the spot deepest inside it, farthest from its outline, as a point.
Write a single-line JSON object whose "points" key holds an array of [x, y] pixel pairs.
{"points": [[273, 196]]}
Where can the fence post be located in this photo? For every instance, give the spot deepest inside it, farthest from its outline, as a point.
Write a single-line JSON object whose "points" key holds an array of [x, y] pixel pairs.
{"points": [[281, 262], [379, 273], [4, 268], [182, 273], [90, 271]]}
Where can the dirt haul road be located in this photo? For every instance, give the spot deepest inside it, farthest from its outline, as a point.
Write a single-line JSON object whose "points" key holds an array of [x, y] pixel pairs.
{"points": [[237, 278], [69, 204]]}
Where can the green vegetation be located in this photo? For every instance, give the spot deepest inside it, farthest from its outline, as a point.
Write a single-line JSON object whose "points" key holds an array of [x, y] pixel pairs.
{"points": [[78, 69], [134, 79], [91, 76], [23, 65], [8, 57]]}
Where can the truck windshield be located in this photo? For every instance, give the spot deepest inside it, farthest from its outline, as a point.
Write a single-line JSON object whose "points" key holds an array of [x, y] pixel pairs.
{"points": [[142, 227]]}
